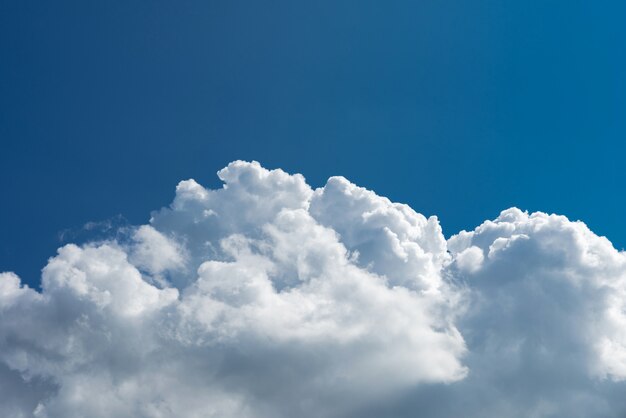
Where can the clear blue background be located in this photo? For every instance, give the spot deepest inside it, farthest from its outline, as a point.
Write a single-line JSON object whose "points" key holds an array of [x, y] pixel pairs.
{"points": [[459, 108]]}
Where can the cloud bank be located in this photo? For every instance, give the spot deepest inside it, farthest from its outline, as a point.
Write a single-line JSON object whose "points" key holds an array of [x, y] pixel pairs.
{"points": [[266, 298]]}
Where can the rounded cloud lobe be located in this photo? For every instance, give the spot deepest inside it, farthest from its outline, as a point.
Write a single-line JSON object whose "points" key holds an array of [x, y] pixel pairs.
{"points": [[266, 298]]}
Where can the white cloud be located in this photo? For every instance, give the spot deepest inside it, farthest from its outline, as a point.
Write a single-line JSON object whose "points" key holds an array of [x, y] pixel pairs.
{"points": [[156, 254], [470, 259], [266, 298], [545, 328]]}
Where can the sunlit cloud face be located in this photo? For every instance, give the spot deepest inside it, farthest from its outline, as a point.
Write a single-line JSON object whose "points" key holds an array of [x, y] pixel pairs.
{"points": [[266, 298]]}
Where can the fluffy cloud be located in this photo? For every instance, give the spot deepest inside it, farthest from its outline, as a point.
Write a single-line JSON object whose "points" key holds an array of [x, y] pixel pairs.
{"points": [[266, 298], [545, 324]]}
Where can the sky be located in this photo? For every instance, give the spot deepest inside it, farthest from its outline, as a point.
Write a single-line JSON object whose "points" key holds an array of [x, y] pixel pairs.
{"points": [[457, 108], [357, 202]]}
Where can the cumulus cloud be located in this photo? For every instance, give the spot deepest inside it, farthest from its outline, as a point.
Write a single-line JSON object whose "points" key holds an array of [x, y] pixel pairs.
{"points": [[266, 298], [544, 325]]}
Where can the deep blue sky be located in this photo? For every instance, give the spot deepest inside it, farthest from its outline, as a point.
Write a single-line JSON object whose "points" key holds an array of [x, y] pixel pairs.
{"points": [[459, 108]]}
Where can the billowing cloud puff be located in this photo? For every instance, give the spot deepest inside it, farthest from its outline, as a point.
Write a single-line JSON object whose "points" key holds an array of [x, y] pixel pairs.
{"points": [[266, 298], [545, 324]]}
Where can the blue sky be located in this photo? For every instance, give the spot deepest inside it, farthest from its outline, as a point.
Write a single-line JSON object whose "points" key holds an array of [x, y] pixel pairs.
{"points": [[276, 296], [459, 108]]}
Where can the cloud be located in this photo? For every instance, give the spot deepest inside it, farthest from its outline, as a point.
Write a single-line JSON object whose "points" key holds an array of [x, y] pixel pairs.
{"points": [[545, 325], [266, 298]]}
